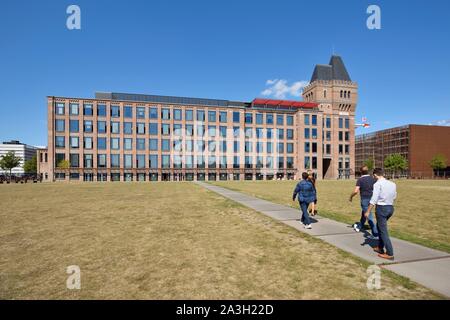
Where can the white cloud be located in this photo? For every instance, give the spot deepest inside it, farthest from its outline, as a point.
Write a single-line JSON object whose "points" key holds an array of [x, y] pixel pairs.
{"points": [[279, 88], [443, 122]]}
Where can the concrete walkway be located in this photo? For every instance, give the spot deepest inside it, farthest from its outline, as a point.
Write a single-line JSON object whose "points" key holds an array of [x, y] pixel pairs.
{"points": [[429, 267]]}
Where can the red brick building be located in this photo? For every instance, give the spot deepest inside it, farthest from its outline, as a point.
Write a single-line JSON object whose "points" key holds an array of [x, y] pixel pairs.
{"points": [[417, 143]]}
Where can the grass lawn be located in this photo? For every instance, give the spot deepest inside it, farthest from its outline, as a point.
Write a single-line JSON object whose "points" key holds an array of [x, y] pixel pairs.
{"points": [[422, 209], [168, 241]]}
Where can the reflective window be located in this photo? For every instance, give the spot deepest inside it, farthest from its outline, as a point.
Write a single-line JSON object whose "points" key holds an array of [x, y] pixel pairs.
{"points": [[259, 118], [236, 117], [153, 129], [115, 143], [60, 142], [101, 110], [101, 143], [74, 159], [59, 109], [165, 114], [115, 111], [59, 125], [189, 115], [212, 116], [177, 114], [74, 126], [128, 161], [101, 126], [127, 112], [88, 110], [140, 128], [128, 127], [200, 115], [153, 113], [248, 118], [165, 129], [128, 144], [88, 126], [153, 144], [165, 145], [153, 161], [290, 120], [223, 116], [140, 161], [115, 160], [101, 160], [74, 109], [280, 119], [115, 127], [88, 143], [140, 112], [74, 142], [306, 120]]}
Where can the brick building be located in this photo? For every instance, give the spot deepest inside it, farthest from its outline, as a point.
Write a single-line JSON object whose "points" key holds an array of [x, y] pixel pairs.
{"points": [[126, 137], [416, 143]]}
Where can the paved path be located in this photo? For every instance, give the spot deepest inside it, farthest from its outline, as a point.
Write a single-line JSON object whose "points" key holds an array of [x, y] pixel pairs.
{"points": [[426, 266]]}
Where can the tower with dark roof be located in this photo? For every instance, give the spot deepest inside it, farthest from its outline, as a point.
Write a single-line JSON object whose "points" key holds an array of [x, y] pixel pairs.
{"points": [[337, 95]]}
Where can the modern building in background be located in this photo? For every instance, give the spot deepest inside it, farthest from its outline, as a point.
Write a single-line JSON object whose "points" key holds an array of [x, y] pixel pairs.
{"points": [[134, 137], [23, 151], [416, 143]]}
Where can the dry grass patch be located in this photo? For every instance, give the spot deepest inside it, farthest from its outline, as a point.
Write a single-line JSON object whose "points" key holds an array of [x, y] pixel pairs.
{"points": [[167, 241], [422, 210]]}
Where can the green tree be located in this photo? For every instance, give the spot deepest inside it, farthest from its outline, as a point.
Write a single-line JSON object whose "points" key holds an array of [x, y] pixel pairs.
{"points": [[9, 161], [30, 166], [438, 162], [395, 162], [370, 163], [63, 164]]}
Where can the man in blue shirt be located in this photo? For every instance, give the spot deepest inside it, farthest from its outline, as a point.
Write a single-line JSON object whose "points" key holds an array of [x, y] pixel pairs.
{"points": [[306, 194], [364, 186]]}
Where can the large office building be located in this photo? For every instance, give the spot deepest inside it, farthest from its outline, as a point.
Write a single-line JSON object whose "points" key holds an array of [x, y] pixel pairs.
{"points": [[418, 144], [23, 151], [136, 137]]}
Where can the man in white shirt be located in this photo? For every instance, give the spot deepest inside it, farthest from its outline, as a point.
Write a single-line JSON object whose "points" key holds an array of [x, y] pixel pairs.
{"points": [[384, 194]]}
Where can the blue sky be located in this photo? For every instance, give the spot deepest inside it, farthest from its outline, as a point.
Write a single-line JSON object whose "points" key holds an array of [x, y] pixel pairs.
{"points": [[221, 49]]}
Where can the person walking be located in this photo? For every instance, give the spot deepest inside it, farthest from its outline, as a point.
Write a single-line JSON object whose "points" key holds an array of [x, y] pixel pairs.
{"points": [[364, 186], [384, 195], [306, 194], [312, 179]]}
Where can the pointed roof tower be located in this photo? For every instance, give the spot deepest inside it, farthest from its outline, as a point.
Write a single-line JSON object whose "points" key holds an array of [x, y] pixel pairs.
{"points": [[334, 70]]}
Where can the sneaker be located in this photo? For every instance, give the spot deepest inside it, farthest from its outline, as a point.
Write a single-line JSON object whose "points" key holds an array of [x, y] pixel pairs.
{"points": [[355, 227], [308, 226]]}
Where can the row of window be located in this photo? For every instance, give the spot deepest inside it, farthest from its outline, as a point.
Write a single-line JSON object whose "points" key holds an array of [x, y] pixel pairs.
{"points": [[176, 114], [176, 145], [177, 129], [178, 162], [140, 176]]}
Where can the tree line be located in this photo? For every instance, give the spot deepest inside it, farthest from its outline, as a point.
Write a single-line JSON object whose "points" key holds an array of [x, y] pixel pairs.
{"points": [[10, 161], [397, 163]]}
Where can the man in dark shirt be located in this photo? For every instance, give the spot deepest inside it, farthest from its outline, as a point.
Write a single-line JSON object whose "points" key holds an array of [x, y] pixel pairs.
{"points": [[364, 186]]}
